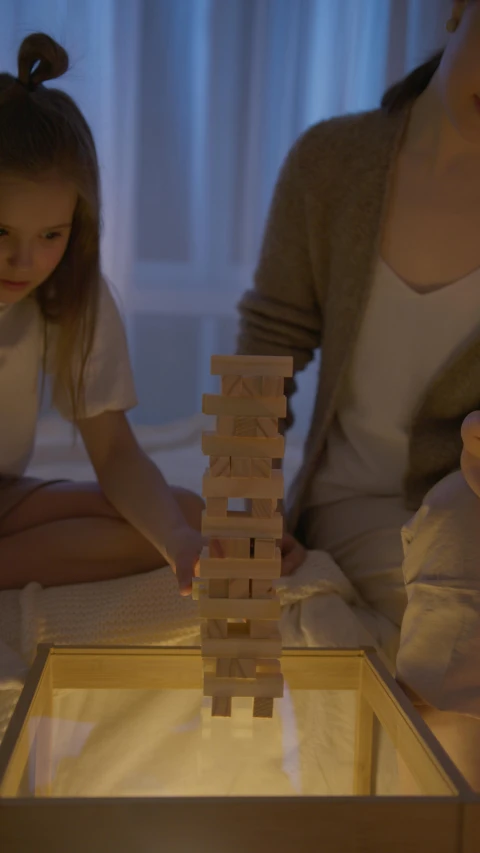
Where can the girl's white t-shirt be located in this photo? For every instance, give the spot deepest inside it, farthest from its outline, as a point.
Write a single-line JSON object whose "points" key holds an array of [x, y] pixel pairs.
{"points": [[406, 339], [109, 384]]}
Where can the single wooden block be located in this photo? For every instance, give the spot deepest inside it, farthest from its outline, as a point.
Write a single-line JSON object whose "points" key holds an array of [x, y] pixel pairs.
{"points": [[225, 425], [265, 685], [262, 589], [219, 466], [253, 407], [242, 646], [239, 445], [273, 386], [214, 549], [221, 706], [251, 386], [241, 467], [263, 707], [236, 549], [263, 630], [251, 365], [243, 668], [239, 588], [262, 468], [216, 629], [222, 667], [265, 549], [246, 426], [244, 487], [235, 567], [267, 427], [209, 664], [218, 588], [231, 386], [239, 608], [261, 508], [199, 587], [268, 665], [240, 524], [217, 507]]}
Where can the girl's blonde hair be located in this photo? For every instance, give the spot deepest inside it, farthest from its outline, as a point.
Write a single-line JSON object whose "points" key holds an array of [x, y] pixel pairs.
{"points": [[42, 130]]}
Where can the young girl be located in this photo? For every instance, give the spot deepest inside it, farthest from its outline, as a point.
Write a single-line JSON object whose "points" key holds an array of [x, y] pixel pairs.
{"points": [[372, 253], [56, 313]]}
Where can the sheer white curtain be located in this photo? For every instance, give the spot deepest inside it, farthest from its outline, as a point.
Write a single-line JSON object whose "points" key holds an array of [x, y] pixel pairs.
{"points": [[101, 39], [194, 104]]}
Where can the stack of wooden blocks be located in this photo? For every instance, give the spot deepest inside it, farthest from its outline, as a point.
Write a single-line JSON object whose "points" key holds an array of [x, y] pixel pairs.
{"points": [[241, 643]]}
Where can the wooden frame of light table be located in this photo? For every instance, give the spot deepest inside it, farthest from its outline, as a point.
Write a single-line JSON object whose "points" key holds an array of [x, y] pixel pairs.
{"points": [[447, 820]]}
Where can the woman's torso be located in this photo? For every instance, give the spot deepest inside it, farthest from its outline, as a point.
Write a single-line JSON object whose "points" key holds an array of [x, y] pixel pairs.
{"points": [[406, 339], [431, 232], [426, 283]]}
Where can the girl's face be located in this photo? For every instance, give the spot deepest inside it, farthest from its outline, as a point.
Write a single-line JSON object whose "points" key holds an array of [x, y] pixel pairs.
{"points": [[459, 72], [35, 223]]}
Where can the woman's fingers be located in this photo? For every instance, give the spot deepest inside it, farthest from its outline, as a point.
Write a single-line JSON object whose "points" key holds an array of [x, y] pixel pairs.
{"points": [[470, 432], [293, 554]]}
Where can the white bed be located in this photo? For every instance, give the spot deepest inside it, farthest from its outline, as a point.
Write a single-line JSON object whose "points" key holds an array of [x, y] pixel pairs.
{"points": [[320, 608]]}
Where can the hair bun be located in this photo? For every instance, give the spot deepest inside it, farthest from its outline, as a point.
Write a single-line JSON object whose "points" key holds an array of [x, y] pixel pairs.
{"points": [[40, 58]]}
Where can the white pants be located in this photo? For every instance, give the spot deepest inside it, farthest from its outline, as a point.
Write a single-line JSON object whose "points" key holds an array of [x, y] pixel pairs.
{"points": [[434, 595], [439, 656]]}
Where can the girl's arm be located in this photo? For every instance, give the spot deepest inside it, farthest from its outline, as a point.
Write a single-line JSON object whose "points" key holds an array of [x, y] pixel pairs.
{"points": [[136, 488]]}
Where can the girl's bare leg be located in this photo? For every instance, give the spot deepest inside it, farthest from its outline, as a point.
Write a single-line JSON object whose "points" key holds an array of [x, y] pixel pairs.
{"points": [[69, 533]]}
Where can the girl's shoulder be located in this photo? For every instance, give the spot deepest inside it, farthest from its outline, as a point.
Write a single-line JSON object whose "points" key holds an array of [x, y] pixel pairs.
{"points": [[109, 330]]}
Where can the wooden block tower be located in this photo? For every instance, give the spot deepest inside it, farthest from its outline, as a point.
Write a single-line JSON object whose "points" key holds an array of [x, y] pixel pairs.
{"points": [[241, 643]]}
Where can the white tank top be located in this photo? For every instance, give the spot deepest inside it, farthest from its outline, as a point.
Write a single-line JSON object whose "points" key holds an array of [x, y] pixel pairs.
{"points": [[406, 338]]}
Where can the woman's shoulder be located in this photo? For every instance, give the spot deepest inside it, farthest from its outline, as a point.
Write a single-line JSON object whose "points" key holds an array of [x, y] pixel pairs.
{"points": [[347, 138], [346, 128]]}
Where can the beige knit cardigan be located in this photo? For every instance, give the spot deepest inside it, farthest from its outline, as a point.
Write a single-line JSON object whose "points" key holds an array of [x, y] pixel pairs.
{"points": [[313, 283]]}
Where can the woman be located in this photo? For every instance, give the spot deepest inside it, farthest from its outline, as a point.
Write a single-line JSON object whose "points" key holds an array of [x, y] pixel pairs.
{"points": [[372, 253]]}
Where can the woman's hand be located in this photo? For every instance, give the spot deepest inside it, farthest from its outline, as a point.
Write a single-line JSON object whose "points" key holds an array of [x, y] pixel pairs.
{"points": [[185, 547], [293, 554], [470, 458]]}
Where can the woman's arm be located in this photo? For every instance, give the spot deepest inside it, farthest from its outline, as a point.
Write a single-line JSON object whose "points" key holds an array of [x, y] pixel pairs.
{"points": [[281, 314], [470, 458], [136, 488]]}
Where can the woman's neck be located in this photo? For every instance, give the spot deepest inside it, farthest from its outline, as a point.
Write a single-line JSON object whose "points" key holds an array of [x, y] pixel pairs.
{"points": [[432, 137]]}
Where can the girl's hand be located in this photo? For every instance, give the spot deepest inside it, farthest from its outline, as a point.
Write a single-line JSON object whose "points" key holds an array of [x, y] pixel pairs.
{"points": [[184, 548], [470, 458], [293, 554]]}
